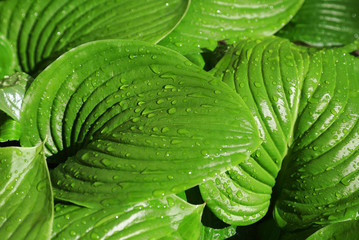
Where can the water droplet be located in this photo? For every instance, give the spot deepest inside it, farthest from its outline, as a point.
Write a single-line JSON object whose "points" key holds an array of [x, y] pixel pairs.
{"points": [[170, 201], [136, 119], [155, 69], [158, 193], [106, 162], [168, 75], [257, 84], [171, 110], [165, 129], [176, 141], [95, 236], [97, 184], [41, 186], [168, 86]]}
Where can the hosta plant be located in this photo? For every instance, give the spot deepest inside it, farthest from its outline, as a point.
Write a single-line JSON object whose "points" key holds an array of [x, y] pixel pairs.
{"points": [[179, 119]]}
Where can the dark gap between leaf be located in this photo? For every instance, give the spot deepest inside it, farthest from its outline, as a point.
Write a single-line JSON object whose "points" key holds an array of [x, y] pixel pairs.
{"points": [[10, 144], [208, 218], [211, 58]]}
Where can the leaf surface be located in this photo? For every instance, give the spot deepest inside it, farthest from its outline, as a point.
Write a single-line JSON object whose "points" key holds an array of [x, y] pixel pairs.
{"points": [[208, 233], [7, 57], [12, 91], [40, 31], [209, 21], [267, 74], [324, 23], [319, 181], [342, 230], [10, 129], [26, 203], [140, 121], [164, 218]]}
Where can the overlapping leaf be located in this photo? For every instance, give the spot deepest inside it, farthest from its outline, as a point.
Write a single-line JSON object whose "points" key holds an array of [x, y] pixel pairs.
{"points": [[268, 74], [42, 30], [319, 183], [209, 21], [143, 121], [9, 128], [343, 230], [324, 23], [7, 57], [12, 91], [164, 218], [26, 203]]}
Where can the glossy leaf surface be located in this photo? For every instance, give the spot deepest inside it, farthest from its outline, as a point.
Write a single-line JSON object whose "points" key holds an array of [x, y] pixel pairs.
{"points": [[217, 234], [7, 57], [9, 128], [164, 218], [142, 121], [324, 23], [209, 21], [319, 183], [267, 74], [42, 30], [12, 91], [26, 203], [343, 230]]}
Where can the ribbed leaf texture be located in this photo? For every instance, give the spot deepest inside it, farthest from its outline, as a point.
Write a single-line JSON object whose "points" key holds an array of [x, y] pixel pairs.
{"points": [[320, 182], [164, 218], [324, 23], [342, 230], [305, 104], [209, 21], [7, 57], [26, 203], [267, 74], [40, 31], [140, 120]]}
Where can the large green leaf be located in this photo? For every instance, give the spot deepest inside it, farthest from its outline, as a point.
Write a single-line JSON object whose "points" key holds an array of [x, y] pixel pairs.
{"points": [[165, 218], [268, 74], [26, 203], [324, 23], [343, 230], [142, 121], [42, 30], [319, 181], [7, 57], [12, 91], [209, 21]]}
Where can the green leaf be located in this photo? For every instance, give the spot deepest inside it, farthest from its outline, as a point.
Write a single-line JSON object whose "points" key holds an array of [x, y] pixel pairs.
{"points": [[12, 91], [267, 74], [140, 120], [164, 218], [209, 21], [324, 23], [7, 57], [26, 203], [40, 31], [342, 230], [208, 233], [319, 181], [10, 129]]}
